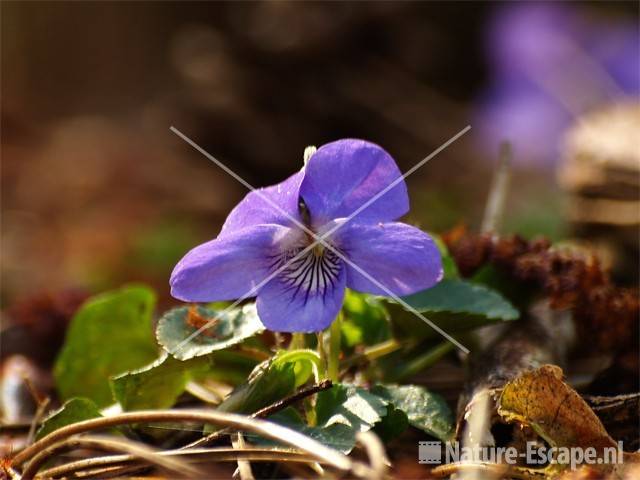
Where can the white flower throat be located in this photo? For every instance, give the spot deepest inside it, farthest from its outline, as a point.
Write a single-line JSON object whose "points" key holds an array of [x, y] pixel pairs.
{"points": [[313, 273]]}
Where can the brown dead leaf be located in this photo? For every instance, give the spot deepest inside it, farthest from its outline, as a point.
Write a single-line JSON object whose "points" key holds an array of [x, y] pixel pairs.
{"points": [[539, 398]]}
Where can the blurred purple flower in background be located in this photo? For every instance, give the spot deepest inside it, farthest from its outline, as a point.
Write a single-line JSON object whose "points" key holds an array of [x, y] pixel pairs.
{"points": [[257, 240], [550, 64]]}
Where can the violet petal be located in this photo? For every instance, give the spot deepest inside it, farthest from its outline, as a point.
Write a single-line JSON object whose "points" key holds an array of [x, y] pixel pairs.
{"points": [[400, 257], [344, 175], [229, 267], [282, 307], [253, 209]]}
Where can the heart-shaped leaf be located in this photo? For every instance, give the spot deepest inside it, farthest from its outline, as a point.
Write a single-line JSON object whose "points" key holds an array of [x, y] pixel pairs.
{"points": [[338, 436], [272, 380], [341, 412], [74, 410], [157, 385], [110, 334], [455, 305], [179, 332], [425, 410], [350, 405], [392, 425]]}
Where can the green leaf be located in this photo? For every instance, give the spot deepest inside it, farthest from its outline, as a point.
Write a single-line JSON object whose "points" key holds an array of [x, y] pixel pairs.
{"points": [[459, 296], [305, 364], [338, 436], [455, 305], [392, 425], [350, 405], [516, 292], [229, 367], [157, 385], [425, 410], [365, 321], [74, 410], [271, 381], [110, 334], [341, 411], [229, 328], [448, 263]]}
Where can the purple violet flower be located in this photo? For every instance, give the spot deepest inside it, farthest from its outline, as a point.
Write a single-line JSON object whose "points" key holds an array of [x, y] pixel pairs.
{"points": [[256, 240]]}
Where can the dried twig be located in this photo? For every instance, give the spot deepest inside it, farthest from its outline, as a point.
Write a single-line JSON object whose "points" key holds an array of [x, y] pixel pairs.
{"points": [[11, 473], [134, 449], [498, 194], [267, 411], [376, 453], [42, 404], [244, 467], [218, 454], [260, 427], [293, 398], [37, 418], [486, 469]]}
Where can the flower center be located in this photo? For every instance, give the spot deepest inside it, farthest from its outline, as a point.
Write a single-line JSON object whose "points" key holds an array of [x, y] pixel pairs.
{"points": [[313, 273]]}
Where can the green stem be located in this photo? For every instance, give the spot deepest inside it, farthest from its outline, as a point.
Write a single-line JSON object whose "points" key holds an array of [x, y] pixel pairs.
{"points": [[323, 357], [374, 352], [334, 349], [297, 341], [422, 362]]}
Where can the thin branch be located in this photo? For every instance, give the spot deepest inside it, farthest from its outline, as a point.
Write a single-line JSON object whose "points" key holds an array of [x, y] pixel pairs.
{"points": [[376, 453], [11, 473], [37, 418], [86, 465], [113, 472], [134, 449], [293, 398], [244, 467], [494, 210], [268, 410], [220, 454], [374, 352], [265, 412], [504, 471], [203, 393], [42, 403], [261, 427]]}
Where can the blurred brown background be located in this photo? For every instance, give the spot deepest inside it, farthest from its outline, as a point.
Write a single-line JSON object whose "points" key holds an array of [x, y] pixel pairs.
{"points": [[97, 191]]}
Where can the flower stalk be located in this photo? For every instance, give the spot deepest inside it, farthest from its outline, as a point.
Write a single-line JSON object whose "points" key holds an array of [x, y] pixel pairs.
{"points": [[333, 363], [322, 353], [297, 341]]}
